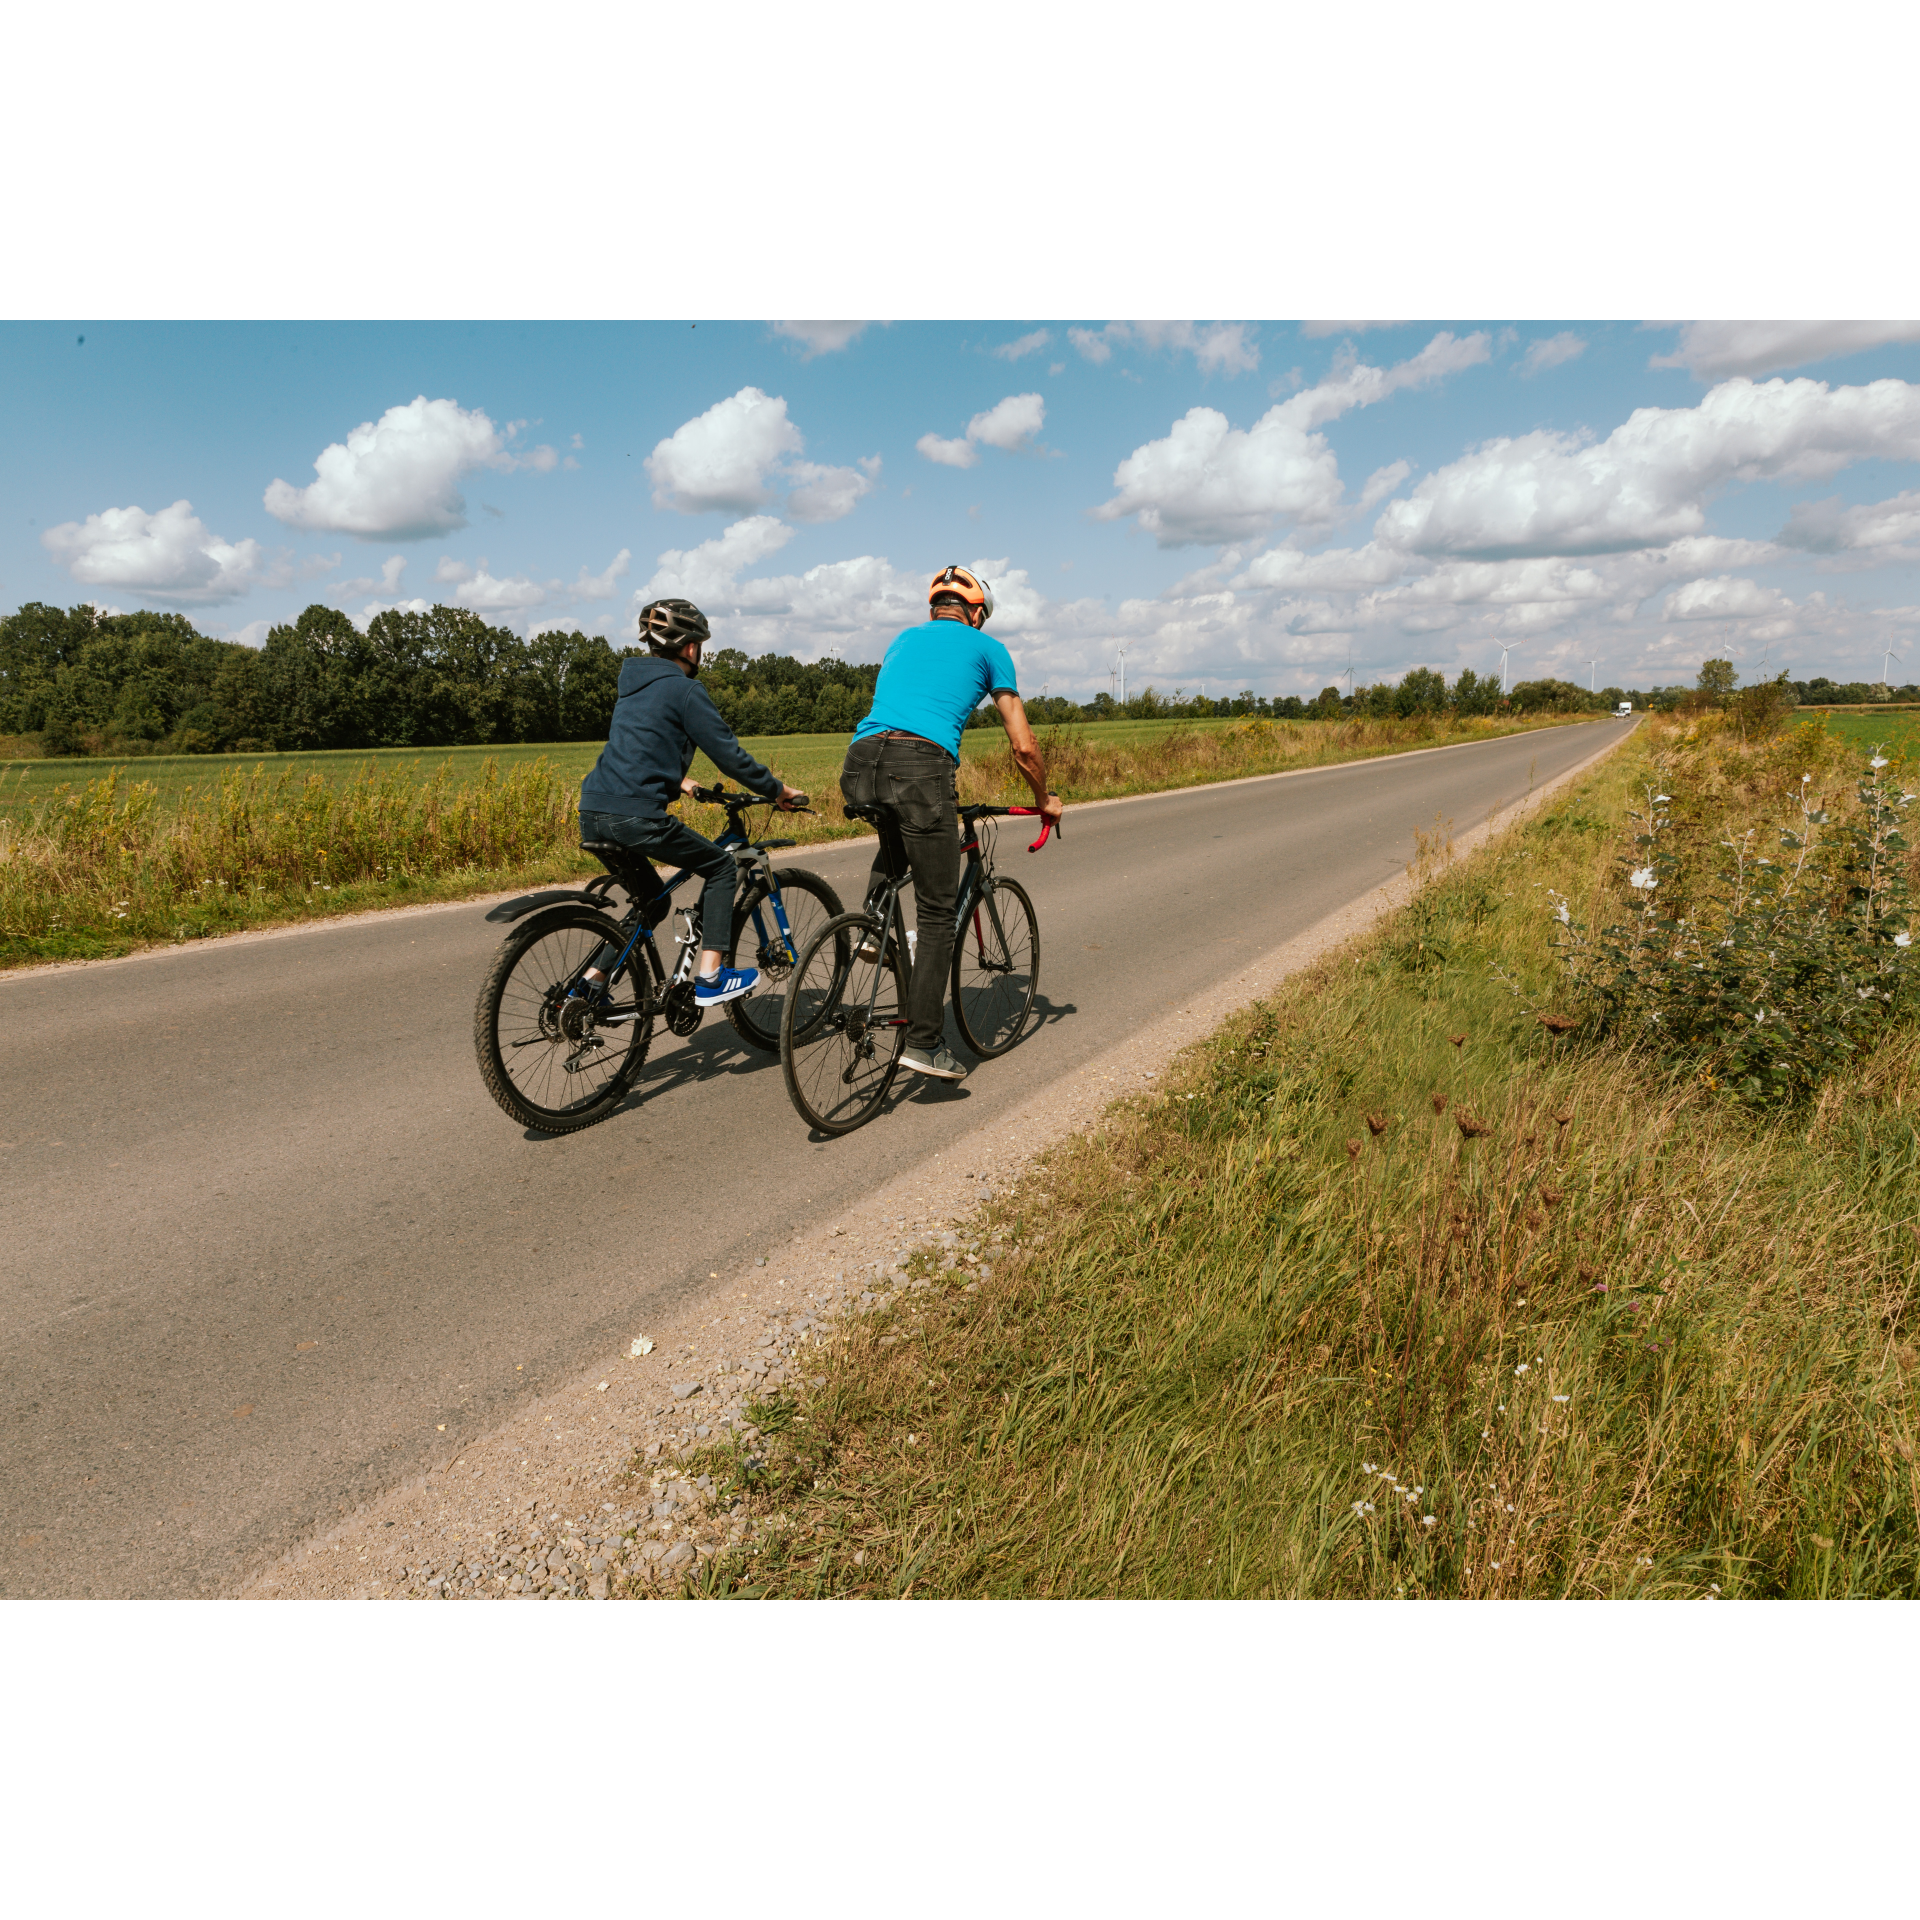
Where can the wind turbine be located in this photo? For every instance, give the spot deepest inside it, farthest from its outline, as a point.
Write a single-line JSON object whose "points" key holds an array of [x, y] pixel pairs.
{"points": [[1123, 676], [1593, 676], [1886, 678], [1504, 651]]}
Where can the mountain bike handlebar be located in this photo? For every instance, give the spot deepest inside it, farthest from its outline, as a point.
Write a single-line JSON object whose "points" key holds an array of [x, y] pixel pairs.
{"points": [[718, 796]]}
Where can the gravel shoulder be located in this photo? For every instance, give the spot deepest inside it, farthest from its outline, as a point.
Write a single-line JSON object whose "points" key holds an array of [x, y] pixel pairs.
{"points": [[593, 1491]]}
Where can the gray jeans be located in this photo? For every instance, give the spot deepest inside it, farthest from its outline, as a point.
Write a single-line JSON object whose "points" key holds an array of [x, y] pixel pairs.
{"points": [[667, 842], [915, 778]]}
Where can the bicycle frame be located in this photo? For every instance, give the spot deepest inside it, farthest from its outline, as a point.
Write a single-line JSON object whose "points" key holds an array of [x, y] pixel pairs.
{"points": [[753, 866], [966, 910]]}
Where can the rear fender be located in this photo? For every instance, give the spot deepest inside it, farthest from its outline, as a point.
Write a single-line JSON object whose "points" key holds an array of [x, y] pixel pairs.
{"points": [[532, 902]]}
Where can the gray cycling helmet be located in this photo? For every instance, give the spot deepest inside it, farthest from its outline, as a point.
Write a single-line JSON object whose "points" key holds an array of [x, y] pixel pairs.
{"points": [[668, 625]]}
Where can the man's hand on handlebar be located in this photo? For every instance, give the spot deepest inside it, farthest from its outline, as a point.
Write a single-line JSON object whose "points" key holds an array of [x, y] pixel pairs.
{"points": [[791, 800], [1052, 809]]}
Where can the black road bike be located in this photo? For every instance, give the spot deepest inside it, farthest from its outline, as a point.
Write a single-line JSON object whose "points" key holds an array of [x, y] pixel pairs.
{"points": [[558, 1052], [844, 1025]]}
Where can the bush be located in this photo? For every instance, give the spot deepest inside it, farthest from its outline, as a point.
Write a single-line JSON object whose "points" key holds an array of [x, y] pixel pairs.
{"points": [[1776, 971]]}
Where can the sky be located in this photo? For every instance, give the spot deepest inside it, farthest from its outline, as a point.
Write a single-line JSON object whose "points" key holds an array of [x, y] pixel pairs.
{"points": [[1231, 504]]}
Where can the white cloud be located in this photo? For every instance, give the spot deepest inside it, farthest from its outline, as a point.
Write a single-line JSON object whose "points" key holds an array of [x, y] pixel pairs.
{"points": [[1724, 598], [1554, 351], [1009, 425], [1026, 344], [829, 493], [1319, 329], [399, 478], [1381, 482], [720, 460], [168, 555], [1713, 349], [253, 634], [1209, 481], [1225, 347], [816, 337], [375, 608], [388, 582], [708, 570], [1886, 527], [1645, 484], [600, 586], [945, 453]]}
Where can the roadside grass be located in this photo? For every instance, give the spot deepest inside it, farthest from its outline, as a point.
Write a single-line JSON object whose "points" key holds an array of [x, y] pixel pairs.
{"points": [[158, 851], [1395, 1292]]}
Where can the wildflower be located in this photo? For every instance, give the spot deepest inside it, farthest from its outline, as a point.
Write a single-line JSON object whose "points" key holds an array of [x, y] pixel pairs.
{"points": [[1903, 939], [1522, 1367], [1367, 1466], [1876, 763], [1560, 1399], [1495, 1565], [1806, 779], [1711, 1588], [1486, 1433], [1599, 1286], [1561, 914], [1501, 1408], [1426, 1520]]}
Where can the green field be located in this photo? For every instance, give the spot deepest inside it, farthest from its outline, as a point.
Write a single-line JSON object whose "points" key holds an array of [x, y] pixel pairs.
{"points": [[1898, 729], [810, 761]]}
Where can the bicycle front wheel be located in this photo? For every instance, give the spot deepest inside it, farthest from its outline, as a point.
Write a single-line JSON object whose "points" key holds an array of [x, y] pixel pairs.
{"points": [[809, 903], [554, 1059], [996, 967], [843, 1026]]}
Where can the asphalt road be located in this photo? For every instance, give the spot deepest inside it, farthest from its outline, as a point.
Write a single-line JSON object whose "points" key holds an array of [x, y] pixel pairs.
{"points": [[270, 1248]]}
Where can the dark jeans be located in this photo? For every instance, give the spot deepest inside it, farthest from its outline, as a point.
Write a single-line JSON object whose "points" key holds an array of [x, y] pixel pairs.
{"points": [[663, 839], [915, 778]]}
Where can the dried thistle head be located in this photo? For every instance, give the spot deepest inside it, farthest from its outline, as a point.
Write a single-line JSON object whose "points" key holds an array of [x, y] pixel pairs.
{"points": [[1458, 1039], [1376, 1124], [1550, 1196], [1558, 1022], [1565, 1119], [1472, 1128], [1353, 1149], [1439, 1103]]}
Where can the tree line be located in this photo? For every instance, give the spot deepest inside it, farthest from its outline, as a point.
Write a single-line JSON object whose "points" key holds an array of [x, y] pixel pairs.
{"points": [[82, 682]]}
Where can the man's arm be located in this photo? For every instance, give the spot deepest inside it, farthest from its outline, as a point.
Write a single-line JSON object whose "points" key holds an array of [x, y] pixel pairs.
{"points": [[1026, 753]]}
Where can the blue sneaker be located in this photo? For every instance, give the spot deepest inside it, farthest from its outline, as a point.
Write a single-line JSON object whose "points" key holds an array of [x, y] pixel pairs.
{"points": [[728, 984]]}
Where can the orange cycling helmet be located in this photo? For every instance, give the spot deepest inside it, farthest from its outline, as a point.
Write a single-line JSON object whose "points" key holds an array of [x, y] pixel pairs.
{"points": [[968, 588]]}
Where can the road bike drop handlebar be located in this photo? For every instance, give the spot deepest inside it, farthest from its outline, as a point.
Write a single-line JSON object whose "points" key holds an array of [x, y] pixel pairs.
{"points": [[1046, 827]]}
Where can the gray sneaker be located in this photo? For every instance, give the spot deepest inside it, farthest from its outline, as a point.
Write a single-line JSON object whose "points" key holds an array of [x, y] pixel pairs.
{"points": [[937, 1065]]}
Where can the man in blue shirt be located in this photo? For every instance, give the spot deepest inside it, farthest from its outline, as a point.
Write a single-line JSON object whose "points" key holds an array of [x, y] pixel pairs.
{"points": [[904, 755], [661, 715]]}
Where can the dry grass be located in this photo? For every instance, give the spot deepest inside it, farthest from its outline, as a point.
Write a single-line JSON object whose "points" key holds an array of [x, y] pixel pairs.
{"points": [[115, 863], [1390, 1248]]}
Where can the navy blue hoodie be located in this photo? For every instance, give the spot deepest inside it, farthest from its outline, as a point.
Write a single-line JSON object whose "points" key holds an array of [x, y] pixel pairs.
{"points": [[658, 720]]}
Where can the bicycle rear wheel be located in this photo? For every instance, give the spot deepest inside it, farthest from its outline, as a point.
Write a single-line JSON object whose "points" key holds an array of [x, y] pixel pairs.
{"points": [[554, 1061], [843, 1027], [996, 967], [809, 904]]}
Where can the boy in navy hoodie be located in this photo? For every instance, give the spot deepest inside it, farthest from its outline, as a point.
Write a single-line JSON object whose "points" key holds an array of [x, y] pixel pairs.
{"points": [[662, 714]]}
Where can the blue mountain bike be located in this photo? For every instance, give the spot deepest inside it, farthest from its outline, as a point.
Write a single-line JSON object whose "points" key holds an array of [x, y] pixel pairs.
{"points": [[558, 1053]]}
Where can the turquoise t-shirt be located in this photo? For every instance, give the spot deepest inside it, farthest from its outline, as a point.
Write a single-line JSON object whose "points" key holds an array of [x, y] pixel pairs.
{"points": [[934, 675]]}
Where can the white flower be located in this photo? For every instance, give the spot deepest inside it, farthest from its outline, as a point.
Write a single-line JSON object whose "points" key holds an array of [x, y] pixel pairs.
{"points": [[1806, 779], [1495, 1565], [640, 1346], [1359, 1506], [1560, 1399], [1426, 1520], [1876, 763], [1522, 1367], [1903, 939], [1561, 914], [1367, 1466], [1642, 878]]}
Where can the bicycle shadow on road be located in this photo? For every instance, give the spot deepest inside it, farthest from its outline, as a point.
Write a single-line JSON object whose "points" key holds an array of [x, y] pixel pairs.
{"points": [[712, 1052]]}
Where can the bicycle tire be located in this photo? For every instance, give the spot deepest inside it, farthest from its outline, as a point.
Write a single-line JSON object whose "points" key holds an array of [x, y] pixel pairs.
{"points": [[756, 1015], [836, 1064], [527, 1055], [996, 968]]}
